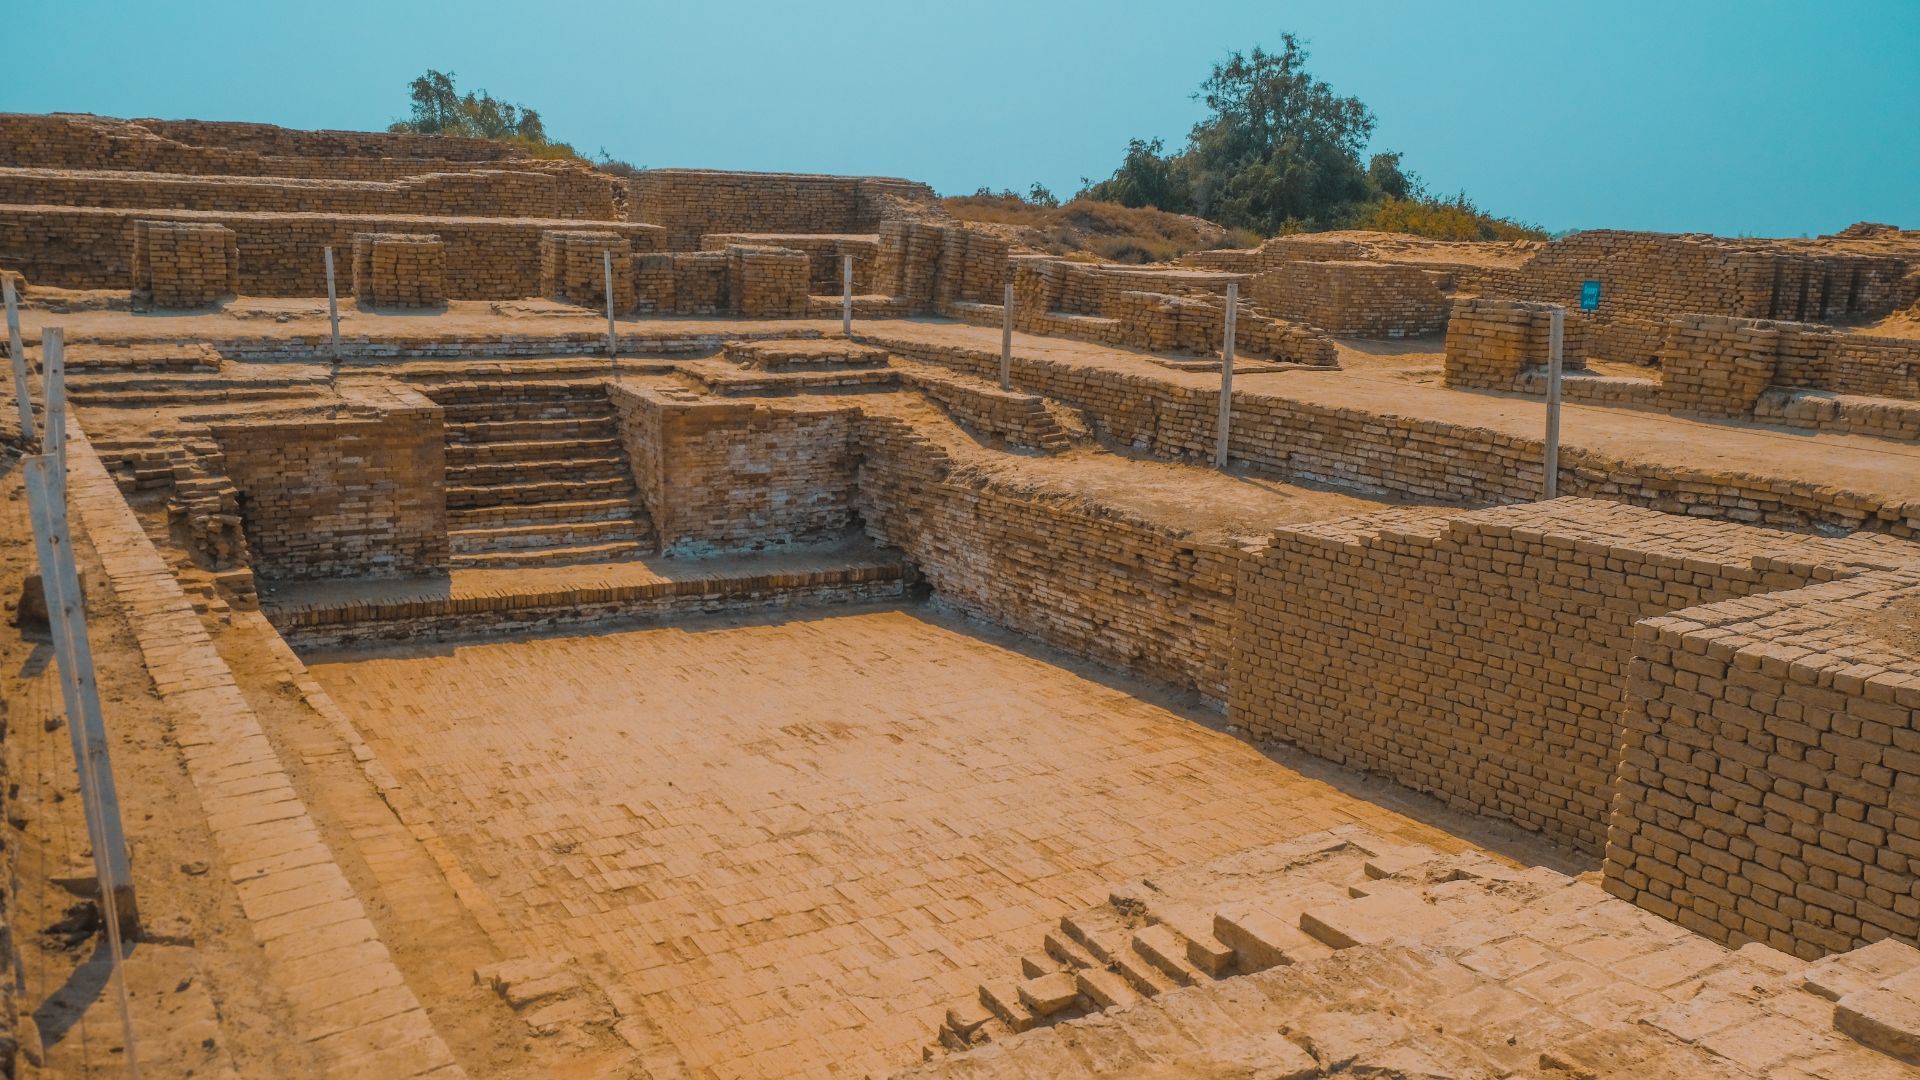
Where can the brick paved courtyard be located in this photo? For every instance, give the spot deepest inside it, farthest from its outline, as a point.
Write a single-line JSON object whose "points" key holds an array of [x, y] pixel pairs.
{"points": [[793, 844]]}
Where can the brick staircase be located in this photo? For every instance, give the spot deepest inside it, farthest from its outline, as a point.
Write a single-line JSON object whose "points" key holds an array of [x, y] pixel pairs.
{"points": [[537, 476], [1345, 954]]}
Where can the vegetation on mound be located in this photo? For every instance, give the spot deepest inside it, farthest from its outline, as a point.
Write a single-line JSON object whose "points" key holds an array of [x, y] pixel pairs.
{"points": [[1106, 230], [1280, 152], [439, 108]]}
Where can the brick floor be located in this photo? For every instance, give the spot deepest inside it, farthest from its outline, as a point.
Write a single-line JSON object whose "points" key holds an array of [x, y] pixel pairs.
{"points": [[795, 843]]}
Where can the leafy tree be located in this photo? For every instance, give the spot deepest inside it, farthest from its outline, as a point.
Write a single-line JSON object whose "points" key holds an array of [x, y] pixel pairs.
{"points": [[1278, 151], [440, 109]]}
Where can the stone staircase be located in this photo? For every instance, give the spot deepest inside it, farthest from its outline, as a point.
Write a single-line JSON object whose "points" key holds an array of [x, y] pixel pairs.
{"points": [[537, 476], [166, 389]]}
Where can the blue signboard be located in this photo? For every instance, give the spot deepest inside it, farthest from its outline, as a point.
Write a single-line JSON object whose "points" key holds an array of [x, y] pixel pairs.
{"points": [[1589, 295]]}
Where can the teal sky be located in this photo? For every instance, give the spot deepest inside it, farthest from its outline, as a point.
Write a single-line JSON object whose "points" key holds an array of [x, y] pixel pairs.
{"points": [[1763, 117]]}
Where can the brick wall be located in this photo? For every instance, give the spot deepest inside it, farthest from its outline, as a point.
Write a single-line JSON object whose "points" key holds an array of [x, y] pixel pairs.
{"points": [[399, 270], [1090, 579], [474, 193], [574, 265], [732, 476], [1657, 273], [824, 254], [1769, 780], [747, 280], [690, 203], [1426, 459], [1482, 656], [183, 264], [363, 495], [280, 254], [1353, 299]]}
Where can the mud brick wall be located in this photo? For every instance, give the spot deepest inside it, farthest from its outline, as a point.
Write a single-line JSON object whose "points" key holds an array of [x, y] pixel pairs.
{"points": [[1659, 274], [984, 409], [476, 193], [1089, 579], [1483, 656], [972, 267], [1769, 780], [573, 268], [767, 282], [691, 283], [183, 265], [280, 254], [1354, 299], [690, 203], [1425, 459], [733, 476], [907, 264], [359, 496], [399, 270], [824, 254]]}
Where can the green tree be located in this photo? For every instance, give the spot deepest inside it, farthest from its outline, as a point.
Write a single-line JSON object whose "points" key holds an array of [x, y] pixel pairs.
{"points": [[440, 109], [1146, 177]]}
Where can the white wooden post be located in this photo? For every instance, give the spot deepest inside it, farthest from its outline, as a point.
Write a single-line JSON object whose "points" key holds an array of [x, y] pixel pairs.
{"points": [[1556, 327], [613, 349], [86, 728], [53, 376], [846, 295], [17, 351], [1006, 338], [1226, 377], [333, 326]]}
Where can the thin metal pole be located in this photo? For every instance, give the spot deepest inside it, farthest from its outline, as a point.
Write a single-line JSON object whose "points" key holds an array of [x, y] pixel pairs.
{"points": [[333, 324], [1226, 377], [613, 351], [119, 906], [18, 352], [1006, 338], [1555, 328], [846, 295]]}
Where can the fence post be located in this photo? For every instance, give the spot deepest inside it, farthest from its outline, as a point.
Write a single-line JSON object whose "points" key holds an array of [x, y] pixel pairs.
{"points": [[1226, 376], [53, 378], [333, 325], [1556, 328], [17, 351], [613, 349], [1006, 338], [846, 295]]}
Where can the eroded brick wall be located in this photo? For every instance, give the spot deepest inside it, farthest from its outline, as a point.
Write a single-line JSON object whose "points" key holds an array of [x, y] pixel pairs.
{"points": [[690, 203], [1769, 780], [1353, 299], [473, 193], [399, 270], [183, 264], [363, 495]]}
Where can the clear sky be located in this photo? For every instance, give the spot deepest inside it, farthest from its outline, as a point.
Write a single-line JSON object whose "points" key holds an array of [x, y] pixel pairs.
{"points": [[1762, 117]]}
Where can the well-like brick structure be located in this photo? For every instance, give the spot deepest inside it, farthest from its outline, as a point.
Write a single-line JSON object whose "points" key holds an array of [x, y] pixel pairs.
{"points": [[399, 270], [184, 264]]}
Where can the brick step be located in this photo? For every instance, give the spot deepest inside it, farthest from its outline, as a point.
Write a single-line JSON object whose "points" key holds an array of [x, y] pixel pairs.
{"points": [[524, 494], [556, 534], [103, 382], [546, 513], [805, 354], [544, 430], [531, 450], [514, 409], [520, 389], [142, 399], [482, 473], [557, 555]]}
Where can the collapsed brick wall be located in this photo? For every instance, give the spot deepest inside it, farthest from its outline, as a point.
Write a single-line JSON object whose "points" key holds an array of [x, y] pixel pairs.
{"points": [[986, 410], [1659, 274], [280, 254], [690, 203], [1482, 656], [1085, 578], [1424, 459], [1353, 299], [734, 476], [399, 270], [475, 193], [183, 264], [1769, 779], [363, 495]]}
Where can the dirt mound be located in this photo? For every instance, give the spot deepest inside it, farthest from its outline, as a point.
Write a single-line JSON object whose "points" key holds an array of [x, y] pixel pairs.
{"points": [[1104, 231]]}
